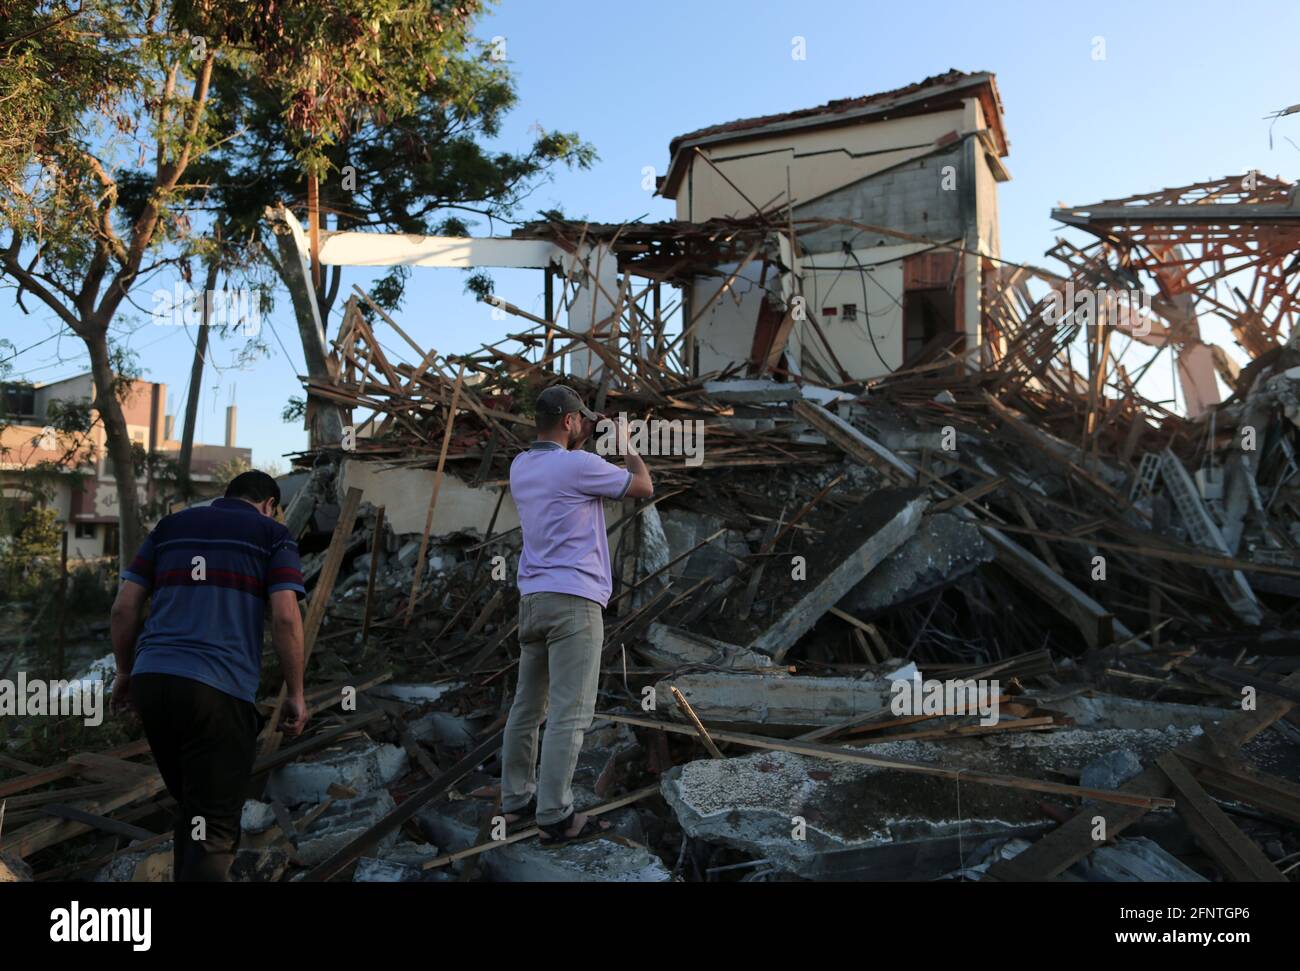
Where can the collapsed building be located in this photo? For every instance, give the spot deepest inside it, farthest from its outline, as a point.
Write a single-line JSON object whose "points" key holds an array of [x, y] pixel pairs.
{"points": [[933, 597]]}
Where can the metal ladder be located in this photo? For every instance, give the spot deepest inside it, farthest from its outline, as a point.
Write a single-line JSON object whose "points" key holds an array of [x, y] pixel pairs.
{"points": [[1205, 534]]}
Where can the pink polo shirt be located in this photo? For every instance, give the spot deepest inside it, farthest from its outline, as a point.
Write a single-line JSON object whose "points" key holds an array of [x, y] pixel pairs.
{"points": [[558, 495]]}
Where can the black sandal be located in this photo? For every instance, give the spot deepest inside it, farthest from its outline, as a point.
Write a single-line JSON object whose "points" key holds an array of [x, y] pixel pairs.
{"points": [[555, 834], [526, 813]]}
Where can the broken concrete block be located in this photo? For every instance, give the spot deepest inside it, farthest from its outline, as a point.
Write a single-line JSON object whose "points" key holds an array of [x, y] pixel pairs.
{"points": [[833, 820], [890, 519], [943, 549], [359, 764], [344, 821], [720, 698], [751, 391], [257, 817], [1110, 771], [401, 864], [684, 529], [445, 728], [1130, 859], [410, 853], [1134, 859], [409, 552], [1095, 709], [673, 647], [653, 554], [370, 870], [455, 825], [153, 865]]}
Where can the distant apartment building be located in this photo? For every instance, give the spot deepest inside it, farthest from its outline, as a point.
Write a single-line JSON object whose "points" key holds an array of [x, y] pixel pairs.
{"points": [[73, 474]]}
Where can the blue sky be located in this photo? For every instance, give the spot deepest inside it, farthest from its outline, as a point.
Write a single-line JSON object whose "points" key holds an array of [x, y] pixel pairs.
{"points": [[1179, 97]]}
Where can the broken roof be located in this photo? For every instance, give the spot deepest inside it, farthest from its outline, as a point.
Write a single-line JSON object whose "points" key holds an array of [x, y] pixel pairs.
{"points": [[935, 93]]}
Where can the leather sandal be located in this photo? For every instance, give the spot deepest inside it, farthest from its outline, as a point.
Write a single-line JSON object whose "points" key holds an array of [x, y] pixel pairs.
{"points": [[555, 834], [526, 814]]}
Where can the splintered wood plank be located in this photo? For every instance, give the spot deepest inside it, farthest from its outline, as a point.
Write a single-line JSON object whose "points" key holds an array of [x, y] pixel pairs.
{"points": [[1073, 840], [320, 597], [1266, 792], [1218, 835], [433, 496], [67, 769], [102, 823]]}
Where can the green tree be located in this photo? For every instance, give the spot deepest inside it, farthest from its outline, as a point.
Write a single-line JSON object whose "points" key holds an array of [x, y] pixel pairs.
{"points": [[185, 117], [386, 106], [31, 553], [99, 214]]}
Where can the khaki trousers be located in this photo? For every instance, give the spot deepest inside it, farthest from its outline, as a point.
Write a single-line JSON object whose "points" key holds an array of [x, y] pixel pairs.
{"points": [[560, 640]]}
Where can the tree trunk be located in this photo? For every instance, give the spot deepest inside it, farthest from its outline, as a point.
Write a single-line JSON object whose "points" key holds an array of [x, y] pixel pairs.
{"points": [[196, 382], [118, 442]]}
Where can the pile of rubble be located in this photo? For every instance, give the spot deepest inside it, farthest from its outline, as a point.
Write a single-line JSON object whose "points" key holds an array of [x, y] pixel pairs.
{"points": [[1005, 621]]}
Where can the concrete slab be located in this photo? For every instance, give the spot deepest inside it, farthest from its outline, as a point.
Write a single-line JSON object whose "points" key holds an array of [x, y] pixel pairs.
{"points": [[943, 549], [359, 764], [751, 391], [401, 864], [455, 825], [864, 822], [1094, 709], [685, 528], [672, 647], [153, 865], [344, 821], [721, 698], [891, 519], [1132, 859], [257, 817]]}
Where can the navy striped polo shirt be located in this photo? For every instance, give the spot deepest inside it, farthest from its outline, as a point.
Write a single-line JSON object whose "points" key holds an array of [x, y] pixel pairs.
{"points": [[210, 570]]}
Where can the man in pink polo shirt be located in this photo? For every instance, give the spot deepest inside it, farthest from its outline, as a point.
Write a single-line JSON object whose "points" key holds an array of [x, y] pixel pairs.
{"points": [[564, 583]]}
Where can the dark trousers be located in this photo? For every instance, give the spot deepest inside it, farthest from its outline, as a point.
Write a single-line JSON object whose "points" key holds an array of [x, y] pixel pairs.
{"points": [[204, 742]]}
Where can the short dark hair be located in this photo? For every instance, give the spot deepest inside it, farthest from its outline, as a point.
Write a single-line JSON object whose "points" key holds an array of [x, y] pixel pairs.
{"points": [[254, 486], [547, 422]]}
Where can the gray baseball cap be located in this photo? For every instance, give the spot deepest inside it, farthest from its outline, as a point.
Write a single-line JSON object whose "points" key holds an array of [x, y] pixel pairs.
{"points": [[560, 399]]}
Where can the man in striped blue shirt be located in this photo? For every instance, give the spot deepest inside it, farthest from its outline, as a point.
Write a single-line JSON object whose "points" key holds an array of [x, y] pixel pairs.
{"points": [[192, 669]]}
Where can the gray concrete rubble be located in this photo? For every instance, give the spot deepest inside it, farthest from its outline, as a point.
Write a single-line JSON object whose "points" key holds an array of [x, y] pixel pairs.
{"points": [[370, 870], [943, 549], [862, 820], [444, 727], [359, 764], [1095, 709], [344, 821], [672, 647], [723, 698], [403, 863], [1111, 771], [257, 817], [684, 529], [899, 517], [751, 391], [1129, 859], [653, 553], [621, 859], [153, 865]]}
